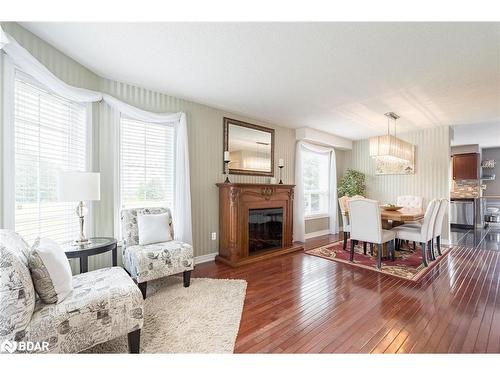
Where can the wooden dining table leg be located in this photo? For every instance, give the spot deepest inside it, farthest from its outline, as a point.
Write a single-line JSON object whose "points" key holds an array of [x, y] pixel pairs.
{"points": [[371, 249], [364, 248]]}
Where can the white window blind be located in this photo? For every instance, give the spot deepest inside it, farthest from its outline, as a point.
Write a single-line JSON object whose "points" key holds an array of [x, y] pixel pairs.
{"points": [[146, 164], [50, 136], [316, 169]]}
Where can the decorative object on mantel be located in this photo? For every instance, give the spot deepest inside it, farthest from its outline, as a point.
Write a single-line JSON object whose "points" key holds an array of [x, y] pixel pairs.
{"points": [[79, 187], [255, 221], [227, 159], [488, 164], [251, 148], [281, 164], [392, 155], [353, 183]]}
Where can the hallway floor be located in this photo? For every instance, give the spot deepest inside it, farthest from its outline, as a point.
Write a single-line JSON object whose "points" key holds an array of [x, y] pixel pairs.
{"points": [[487, 239]]}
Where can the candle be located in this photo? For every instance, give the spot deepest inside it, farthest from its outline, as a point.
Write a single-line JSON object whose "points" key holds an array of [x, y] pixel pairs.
{"points": [[281, 163], [226, 156]]}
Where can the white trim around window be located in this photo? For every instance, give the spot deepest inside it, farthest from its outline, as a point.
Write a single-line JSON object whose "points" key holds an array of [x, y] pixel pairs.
{"points": [[8, 198]]}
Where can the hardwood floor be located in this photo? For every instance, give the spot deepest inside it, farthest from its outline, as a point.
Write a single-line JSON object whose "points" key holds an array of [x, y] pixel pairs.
{"points": [[299, 303]]}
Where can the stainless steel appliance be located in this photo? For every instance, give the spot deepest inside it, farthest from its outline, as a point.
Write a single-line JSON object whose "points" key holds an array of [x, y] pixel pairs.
{"points": [[462, 213]]}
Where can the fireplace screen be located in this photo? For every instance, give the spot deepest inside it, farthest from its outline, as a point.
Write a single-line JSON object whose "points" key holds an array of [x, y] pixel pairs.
{"points": [[265, 229]]}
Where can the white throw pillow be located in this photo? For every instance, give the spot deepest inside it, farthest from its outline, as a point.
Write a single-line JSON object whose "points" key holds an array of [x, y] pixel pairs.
{"points": [[153, 228], [50, 271]]}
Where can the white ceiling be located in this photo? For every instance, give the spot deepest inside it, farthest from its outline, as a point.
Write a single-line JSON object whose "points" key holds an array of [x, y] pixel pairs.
{"points": [[336, 77]]}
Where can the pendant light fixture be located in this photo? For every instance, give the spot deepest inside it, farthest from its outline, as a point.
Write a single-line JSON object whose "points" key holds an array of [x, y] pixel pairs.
{"points": [[389, 148]]}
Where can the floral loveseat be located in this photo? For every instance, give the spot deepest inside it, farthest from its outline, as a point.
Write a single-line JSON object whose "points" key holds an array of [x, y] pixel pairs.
{"points": [[104, 304], [150, 262]]}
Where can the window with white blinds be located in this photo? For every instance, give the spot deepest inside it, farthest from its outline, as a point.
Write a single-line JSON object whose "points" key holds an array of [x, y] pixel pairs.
{"points": [[146, 164], [50, 136], [316, 175]]}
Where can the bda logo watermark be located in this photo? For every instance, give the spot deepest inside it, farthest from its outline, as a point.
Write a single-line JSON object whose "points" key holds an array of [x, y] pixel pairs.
{"points": [[24, 346]]}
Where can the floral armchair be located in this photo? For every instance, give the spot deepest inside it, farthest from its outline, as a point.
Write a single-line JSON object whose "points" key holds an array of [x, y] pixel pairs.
{"points": [[153, 261], [103, 305]]}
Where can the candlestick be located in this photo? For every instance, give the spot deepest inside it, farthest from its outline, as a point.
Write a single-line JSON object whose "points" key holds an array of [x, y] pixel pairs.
{"points": [[226, 170], [281, 172], [281, 163]]}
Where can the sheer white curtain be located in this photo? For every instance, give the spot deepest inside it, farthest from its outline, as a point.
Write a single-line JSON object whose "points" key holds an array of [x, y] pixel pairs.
{"points": [[24, 61], [298, 205]]}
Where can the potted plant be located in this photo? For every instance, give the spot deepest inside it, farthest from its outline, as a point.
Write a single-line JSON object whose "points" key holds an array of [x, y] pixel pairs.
{"points": [[353, 183]]}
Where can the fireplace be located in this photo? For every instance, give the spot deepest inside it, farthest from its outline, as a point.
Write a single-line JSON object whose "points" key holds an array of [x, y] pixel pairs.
{"points": [[255, 222], [265, 229]]}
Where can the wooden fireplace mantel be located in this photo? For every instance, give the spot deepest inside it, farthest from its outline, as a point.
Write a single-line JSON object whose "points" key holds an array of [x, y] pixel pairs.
{"points": [[235, 201]]}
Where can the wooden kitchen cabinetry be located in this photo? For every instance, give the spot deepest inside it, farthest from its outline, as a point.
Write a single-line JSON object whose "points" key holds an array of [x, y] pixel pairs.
{"points": [[466, 166]]}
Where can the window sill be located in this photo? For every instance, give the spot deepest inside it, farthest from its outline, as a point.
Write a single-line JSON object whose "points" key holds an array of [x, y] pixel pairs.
{"points": [[316, 216]]}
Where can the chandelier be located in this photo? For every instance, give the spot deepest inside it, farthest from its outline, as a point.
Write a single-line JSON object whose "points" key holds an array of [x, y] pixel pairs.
{"points": [[389, 148]]}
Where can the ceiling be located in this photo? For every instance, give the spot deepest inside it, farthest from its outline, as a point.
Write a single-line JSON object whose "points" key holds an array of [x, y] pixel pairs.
{"points": [[336, 77]]}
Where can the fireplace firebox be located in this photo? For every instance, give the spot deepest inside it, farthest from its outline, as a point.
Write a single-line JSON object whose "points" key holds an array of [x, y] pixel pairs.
{"points": [[265, 229]]}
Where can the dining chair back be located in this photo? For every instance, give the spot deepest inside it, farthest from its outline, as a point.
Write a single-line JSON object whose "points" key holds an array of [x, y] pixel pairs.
{"points": [[345, 217], [343, 204], [357, 197], [409, 201], [427, 228], [438, 224], [365, 220]]}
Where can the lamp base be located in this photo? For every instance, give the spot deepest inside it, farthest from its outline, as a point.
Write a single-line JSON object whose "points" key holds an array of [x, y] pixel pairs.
{"points": [[81, 211], [82, 243]]}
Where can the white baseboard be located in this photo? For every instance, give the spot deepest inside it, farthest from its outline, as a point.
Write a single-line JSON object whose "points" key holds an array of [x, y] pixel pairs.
{"points": [[205, 258], [317, 234]]}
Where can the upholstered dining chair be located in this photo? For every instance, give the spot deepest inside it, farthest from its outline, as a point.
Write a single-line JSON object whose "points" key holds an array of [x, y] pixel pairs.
{"points": [[438, 226], [422, 234], [343, 203], [345, 218], [366, 226]]}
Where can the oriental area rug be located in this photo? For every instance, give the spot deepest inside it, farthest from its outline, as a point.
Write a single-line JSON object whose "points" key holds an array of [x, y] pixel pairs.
{"points": [[407, 264]]}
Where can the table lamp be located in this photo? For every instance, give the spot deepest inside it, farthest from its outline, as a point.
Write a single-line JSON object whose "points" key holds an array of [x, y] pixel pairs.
{"points": [[79, 186]]}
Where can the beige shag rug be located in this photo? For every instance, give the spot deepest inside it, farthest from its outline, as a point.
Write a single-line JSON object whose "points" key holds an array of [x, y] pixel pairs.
{"points": [[203, 318]]}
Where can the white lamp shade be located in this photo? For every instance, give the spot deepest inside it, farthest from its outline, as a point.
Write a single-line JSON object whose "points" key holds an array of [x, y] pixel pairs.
{"points": [[79, 186]]}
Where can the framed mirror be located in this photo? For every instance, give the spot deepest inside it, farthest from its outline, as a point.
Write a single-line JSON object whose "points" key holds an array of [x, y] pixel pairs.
{"points": [[251, 148]]}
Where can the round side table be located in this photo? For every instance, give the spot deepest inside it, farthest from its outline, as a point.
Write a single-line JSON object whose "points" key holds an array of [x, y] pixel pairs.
{"points": [[97, 245]]}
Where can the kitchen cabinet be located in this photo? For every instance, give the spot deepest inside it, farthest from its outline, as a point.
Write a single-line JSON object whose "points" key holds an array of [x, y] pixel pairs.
{"points": [[466, 167]]}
